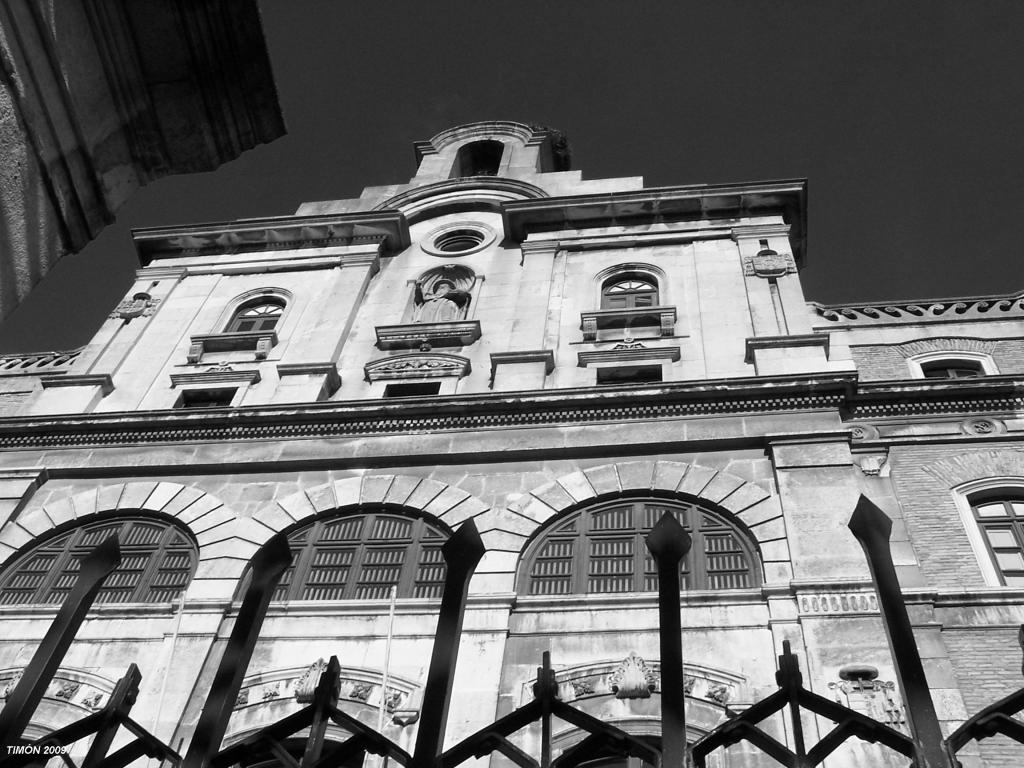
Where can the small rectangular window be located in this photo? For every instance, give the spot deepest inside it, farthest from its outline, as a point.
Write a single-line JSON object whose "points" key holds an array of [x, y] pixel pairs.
{"points": [[206, 398], [412, 389], [629, 374]]}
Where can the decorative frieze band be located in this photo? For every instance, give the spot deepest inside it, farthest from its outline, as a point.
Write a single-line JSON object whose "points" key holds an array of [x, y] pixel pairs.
{"points": [[978, 308], [830, 603]]}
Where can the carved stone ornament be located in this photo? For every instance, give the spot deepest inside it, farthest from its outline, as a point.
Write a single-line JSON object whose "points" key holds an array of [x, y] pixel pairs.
{"points": [[359, 691], [417, 366], [628, 343], [878, 699], [719, 693], [873, 466], [92, 701], [66, 689], [306, 684], [393, 699], [632, 679], [12, 683], [242, 698], [582, 687], [983, 427], [271, 692], [768, 263], [140, 305]]}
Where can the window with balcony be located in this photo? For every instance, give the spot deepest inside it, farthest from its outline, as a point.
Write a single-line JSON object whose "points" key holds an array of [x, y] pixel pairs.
{"points": [[259, 315]]}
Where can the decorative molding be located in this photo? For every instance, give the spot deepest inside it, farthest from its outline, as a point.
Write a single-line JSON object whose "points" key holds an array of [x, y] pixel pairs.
{"points": [[415, 335], [636, 678], [633, 679], [357, 685], [837, 603], [545, 356], [758, 231], [941, 310], [421, 365], [216, 375], [755, 343], [664, 400], [140, 305], [944, 344], [68, 686], [859, 690], [306, 685], [453, 412], [874, 465], [34, 363], [260, 342], [863, 432], [628, 351], [332, 379], [101, 380], [647, 206], [983, 427], [275, 234], [594, 321], [492, 188], [768, 263]]}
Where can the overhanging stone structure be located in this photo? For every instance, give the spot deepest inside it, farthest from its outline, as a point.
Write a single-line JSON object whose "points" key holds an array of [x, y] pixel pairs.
{"points": [[100, 98]]}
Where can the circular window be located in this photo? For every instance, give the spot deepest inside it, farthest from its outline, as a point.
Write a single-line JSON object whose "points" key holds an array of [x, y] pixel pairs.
{"points": [[458, 240]]}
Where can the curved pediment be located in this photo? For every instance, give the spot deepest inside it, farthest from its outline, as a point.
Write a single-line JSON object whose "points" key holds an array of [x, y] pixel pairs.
{"points": [[479, 193]]}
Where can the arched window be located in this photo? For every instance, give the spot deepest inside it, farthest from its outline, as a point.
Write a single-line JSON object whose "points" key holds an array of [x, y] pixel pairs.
{"points": [[478, 158], [628, 291], [601, 549], [258, 315], [1001, 520], [157, 562], [952, 369], [361, 556]]}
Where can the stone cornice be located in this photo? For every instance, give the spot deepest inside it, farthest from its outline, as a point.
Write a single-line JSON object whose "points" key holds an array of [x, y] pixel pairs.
{"points": [[786, 198], [563, 407], [275, 234], [458, 413], [1007, 307]]}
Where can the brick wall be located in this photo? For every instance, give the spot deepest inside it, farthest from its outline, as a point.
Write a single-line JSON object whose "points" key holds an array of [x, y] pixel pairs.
{"points": [[987, 662], [881, 362], [923, 477]]}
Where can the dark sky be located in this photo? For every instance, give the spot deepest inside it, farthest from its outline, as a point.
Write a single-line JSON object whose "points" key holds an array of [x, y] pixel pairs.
{"points": [[905, 117]]}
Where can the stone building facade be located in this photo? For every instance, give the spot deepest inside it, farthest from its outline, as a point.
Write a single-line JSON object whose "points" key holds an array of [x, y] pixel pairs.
{"points": [[561, 360], [99, 98]]}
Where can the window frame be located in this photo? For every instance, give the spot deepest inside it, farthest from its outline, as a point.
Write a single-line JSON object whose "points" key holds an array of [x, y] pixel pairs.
{"points": [[268, 300], [695, 562], [73, 548], [918, 363], [631, 295], [965, 497], [296, 579]]}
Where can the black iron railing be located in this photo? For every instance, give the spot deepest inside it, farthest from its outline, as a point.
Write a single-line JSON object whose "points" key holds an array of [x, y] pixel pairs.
{"points": [[668, 544]]}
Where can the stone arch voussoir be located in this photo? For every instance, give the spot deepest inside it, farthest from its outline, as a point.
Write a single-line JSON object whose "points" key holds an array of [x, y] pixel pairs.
{"points": [[448, 503], [225, 541], [966, 467]]}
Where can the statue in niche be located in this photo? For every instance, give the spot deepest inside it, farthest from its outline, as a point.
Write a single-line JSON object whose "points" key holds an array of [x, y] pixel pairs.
{"points": [[442, 295]]}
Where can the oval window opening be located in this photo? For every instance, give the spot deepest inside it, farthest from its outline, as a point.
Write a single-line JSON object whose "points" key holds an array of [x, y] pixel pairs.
{"points": [[459, 240]]}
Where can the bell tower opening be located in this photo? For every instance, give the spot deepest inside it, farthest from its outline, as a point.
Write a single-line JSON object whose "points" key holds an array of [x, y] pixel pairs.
{"points": [[478, 158]]}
